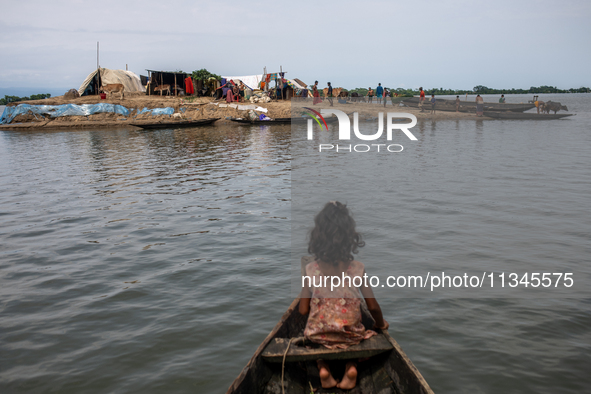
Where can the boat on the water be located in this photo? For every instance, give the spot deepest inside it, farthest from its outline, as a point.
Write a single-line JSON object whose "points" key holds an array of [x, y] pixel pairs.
{"points": [[524, 116], [280, 120], [174, 124], [282, 361], [467, 106]]}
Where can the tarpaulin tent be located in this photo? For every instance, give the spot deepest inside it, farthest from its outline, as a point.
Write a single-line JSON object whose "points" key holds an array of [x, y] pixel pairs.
{"points": [[251, 81], [104, 76]]}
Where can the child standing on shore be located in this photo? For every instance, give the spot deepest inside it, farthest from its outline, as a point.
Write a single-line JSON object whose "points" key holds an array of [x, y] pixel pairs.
{"points": [[334, 315]]}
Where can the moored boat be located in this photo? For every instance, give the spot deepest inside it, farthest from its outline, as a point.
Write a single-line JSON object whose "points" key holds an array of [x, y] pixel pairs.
{"points": [[467, 106], [282, 362], [174, 124], [280, 120], [524, 116]]}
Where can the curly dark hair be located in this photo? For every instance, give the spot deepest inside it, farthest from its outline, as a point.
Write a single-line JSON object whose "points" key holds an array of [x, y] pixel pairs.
{"points": [[333, 238]]}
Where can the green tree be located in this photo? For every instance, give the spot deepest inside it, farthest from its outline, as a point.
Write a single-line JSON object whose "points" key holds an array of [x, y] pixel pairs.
{"points": [[203, 74]]}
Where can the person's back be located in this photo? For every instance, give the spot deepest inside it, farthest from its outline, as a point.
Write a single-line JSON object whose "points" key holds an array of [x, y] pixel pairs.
{"points": [[334, 319]]}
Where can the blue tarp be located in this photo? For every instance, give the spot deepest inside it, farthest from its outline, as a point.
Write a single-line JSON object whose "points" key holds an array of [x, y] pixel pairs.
{"points": [[55, 111], [157, 111]]}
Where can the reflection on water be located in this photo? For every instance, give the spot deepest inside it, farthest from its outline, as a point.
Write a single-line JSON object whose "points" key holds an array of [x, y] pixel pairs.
{"points": [[126, 252]]}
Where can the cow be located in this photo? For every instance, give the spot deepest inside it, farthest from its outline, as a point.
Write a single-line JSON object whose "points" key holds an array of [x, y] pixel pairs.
{"points": [[113, 88], [162, 88], [335, 92], [554, 106], [356, 97]]}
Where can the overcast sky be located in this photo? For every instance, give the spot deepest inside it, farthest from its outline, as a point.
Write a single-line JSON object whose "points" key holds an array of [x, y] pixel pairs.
{"points": [[450, 44]]}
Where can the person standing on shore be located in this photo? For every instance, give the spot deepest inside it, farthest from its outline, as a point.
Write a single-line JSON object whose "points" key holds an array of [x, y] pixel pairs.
{"points": [[433, 103], [370, 95], [421, 99], [236, 93], [241, 89], [329, 94], [379, 92], [386, 95], [317, 99], [502, 99], [479, 106], [457, 103]]}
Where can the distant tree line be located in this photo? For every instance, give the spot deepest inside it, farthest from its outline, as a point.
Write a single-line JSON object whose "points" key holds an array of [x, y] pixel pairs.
{"points": [[480, 89], [12, 99]]}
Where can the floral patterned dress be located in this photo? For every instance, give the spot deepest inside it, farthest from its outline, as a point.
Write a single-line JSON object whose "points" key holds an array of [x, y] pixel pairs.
{"points": [[335, 316]]}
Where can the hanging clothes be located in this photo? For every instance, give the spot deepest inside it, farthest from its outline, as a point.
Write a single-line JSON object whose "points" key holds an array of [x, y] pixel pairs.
{"points": [[189, 89]]}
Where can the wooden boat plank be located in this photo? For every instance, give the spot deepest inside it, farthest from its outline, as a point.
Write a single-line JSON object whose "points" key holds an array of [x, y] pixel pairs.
{"points": [[295, 381], [251, 376], [404, 372], [365, 379], [370, 347]]}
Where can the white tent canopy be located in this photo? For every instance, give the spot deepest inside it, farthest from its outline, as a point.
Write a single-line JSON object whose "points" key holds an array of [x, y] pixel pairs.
{"points": [[251, 81], [130, 80]]}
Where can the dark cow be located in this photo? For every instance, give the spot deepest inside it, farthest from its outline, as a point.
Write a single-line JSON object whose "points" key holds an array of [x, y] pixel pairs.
{"points": [[554, 106], [357, 97]]}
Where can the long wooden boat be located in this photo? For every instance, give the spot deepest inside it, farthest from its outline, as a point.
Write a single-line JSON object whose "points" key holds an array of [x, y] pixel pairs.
{"points": [[175, 124], [524, 116], [387, 370], [467, 106], [280, 120]]}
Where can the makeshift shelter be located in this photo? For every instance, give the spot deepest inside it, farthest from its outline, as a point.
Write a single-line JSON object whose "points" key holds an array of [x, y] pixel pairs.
{"points": [[299, 88], [104, 76], [175, 80], [251, 81]]}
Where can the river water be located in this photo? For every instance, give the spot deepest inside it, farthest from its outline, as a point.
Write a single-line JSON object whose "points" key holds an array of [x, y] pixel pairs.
{"points": [[135, 261]]}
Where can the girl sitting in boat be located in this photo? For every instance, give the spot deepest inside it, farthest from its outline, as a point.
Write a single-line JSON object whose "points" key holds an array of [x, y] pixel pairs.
{"points": [[334, 315]]}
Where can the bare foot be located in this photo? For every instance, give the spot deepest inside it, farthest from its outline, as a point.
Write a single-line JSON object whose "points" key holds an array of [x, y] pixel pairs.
{"points": [[326, 379], [350, 379]]}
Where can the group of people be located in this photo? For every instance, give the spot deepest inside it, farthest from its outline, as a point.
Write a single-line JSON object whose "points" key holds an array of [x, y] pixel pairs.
{"points": [[432, 101], [316, 93], [380, 93], [235, 92]]}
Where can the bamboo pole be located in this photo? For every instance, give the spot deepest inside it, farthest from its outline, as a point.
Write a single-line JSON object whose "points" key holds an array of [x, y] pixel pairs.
{"points": [[281, 76], [98, 73]]}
